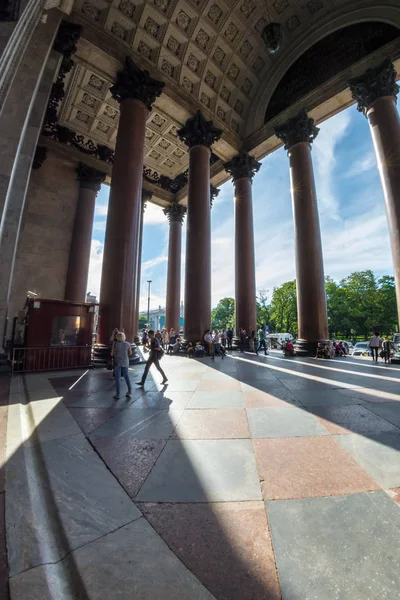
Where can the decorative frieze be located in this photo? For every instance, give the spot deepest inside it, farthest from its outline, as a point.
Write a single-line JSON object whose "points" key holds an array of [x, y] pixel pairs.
{"points": [[197, 131], [134, 83], [242, 165], [175, 212], [375, 83], [300, 128]]}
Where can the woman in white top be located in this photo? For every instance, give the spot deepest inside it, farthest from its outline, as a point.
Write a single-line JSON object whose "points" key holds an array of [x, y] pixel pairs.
{"points": [[217, 343], [375, 343], [165, 339]]}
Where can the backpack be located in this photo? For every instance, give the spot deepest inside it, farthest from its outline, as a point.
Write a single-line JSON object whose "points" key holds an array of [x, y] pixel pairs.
{"points": [[158, 349]]}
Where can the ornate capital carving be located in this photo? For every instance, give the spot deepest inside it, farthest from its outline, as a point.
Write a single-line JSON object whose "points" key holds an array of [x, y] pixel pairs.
{"points": [[40, 157], [89, 178], [197, 131], [242, 165], [134, 83], [146, 195], [300, 128], [375, 83], [175, 212], [65, 43], [214, 191]]}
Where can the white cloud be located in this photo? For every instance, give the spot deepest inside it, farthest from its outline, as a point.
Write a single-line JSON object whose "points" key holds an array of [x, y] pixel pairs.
{"points": [[101, 210], [363, 165], [150, 264], [153, 215], [324, 160], [95, 265]]}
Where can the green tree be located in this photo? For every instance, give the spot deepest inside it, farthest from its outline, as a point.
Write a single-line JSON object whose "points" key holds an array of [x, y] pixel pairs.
{"points": [[263, 309], [360, 290], [387, 305], [284, 308], [338, 313], [223, 315]]}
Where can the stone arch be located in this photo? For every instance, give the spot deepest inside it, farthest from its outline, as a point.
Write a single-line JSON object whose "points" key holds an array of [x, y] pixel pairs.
{"points": [[382, 13]]}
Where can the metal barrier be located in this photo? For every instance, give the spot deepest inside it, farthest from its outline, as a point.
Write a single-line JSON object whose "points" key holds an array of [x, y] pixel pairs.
{"points": [[52, 358]]}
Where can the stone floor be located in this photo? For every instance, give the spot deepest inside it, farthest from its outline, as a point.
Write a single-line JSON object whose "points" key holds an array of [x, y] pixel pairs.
{"points": [[247, 478]]}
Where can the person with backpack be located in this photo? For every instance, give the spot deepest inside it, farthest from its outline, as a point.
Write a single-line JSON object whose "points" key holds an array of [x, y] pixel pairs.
{"points": [[156, 352], [261, 341]]}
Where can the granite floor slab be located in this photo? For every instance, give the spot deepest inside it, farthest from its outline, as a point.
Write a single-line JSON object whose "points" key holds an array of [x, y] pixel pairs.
{"points": [[325, 398], [164, 400], [277, 398], [226, 545], [90, 419], [390, 411], [283, 422], [351, 419], [345, 547], [216, 400], [378, 454], [219, 385], [213, 423], [305, 467], [140, 424], [60, 495], [132, 562], [203, 471]]}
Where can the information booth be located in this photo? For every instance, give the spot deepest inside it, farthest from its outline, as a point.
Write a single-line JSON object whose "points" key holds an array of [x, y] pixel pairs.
{"points": [[53, 334]]}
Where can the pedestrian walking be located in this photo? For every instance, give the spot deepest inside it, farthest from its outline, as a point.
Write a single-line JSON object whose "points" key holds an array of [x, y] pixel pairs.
{"points": [[165, 339], [387, 346], [223, 337], [209, 343], [229, 336], [375, 343], [154, 359], [242, 340], [121, 351], [252, 346], [217, 344], [261, 341]]}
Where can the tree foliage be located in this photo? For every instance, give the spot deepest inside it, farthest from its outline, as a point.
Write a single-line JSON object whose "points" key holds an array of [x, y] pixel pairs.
{"points": [[223, 315], [284, 308]]}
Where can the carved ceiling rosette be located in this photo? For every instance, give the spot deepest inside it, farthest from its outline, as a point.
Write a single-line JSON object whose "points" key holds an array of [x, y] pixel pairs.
{"points": [[134, 83], [197, 131], [300, 128], [89, 178], [375, 83], [214, 191], [175, 212], [242, 165]]}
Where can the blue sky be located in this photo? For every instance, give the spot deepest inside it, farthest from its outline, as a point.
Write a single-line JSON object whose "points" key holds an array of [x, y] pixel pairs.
{"points": [[351, 207]]}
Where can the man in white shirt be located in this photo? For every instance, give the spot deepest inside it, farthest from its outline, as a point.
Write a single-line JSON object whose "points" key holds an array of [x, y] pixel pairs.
{"points": [[209, 341], [375, 343]]}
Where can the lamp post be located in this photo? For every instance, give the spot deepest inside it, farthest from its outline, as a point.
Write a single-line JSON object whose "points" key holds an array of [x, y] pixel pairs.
{"points": [[148, 304]]}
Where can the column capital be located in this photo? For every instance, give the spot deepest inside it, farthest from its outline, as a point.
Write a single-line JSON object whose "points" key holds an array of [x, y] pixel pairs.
{"points": [[242, 165], [40, 157], [89, 178], [136, 84], [375, 83], [65, 43], [214, 191], [197, 131], [297, 129], [175, 212]]}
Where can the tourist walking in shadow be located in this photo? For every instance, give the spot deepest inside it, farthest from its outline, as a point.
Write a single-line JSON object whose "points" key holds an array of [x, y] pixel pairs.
{"points": [[121, 351], [223, 337], [387, 347], [229, 336], [242, 340], [375, 343], [154, 358], [251, 338], [261, 341], [217, 344]]}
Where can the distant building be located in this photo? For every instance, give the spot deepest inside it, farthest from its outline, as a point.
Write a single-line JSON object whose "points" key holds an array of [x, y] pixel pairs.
{"points": [[157, 318], [91, 298]]}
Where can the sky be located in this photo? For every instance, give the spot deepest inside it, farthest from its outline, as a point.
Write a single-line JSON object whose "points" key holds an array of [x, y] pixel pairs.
{"points": [[351, 207]]}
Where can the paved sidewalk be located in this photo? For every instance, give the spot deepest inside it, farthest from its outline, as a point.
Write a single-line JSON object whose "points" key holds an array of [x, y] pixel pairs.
{"points": [[247, 478]]}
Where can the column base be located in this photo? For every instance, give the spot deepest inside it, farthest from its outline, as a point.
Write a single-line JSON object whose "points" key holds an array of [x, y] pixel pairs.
{"points": [[307, 348]]}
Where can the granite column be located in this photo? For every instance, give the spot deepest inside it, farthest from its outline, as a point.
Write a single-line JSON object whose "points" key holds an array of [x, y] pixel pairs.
{"points": [[297, 134], [146, 195], [243, 168], [376, 94], [90, 181], [175, 213], [198, 134], [135, 90]]}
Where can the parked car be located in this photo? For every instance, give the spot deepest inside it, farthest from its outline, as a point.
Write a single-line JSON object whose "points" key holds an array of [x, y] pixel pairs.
{"points": [[362, 349]]}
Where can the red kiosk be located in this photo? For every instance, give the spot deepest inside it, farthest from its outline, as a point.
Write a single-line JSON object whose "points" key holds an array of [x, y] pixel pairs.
{"points": [[53, 334]]}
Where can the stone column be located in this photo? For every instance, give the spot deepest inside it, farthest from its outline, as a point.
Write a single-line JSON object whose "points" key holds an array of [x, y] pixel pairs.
{"points": [[297, 134], [175, 213], [146, 195], [243, 168], [90, 181], [376, 94], [136, 91], [198, 134]]}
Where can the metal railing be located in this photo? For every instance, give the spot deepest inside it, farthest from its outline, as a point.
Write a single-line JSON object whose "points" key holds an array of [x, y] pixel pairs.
{"points": [[50, 358]]}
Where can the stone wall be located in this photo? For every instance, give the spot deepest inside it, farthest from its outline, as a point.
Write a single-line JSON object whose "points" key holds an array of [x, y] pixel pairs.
{"points": [[46, 232]]}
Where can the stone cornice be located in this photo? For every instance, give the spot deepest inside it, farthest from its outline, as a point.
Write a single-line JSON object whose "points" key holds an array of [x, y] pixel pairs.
{"points": [[300, 128], [89, 178], [242, 165], [136, 84], [375, 83], [175, 212], [197, 131]]}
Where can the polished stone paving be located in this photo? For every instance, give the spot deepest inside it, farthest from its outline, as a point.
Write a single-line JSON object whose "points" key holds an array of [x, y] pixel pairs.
{"points": [[251, 478]]}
